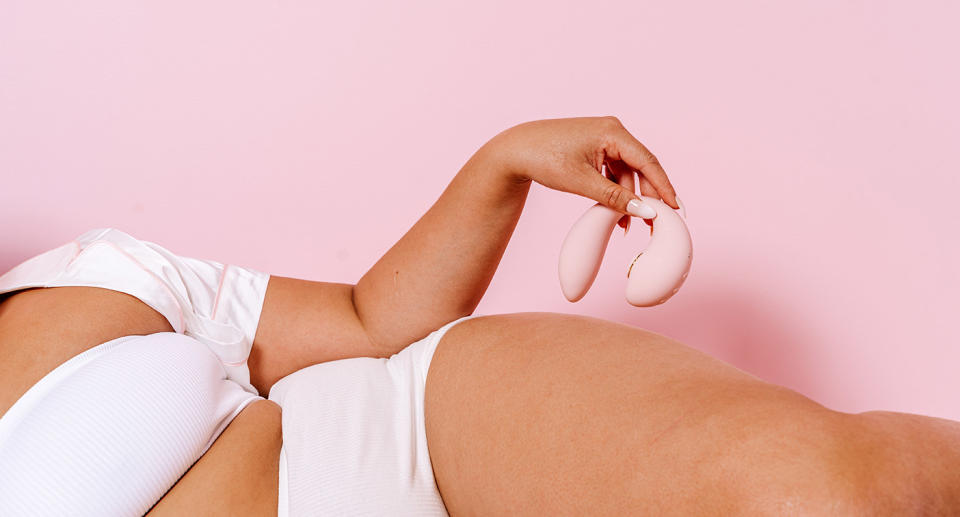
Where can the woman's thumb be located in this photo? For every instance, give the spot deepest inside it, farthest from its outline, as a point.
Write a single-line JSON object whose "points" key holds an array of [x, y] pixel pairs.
{"points": [[619, 198]]}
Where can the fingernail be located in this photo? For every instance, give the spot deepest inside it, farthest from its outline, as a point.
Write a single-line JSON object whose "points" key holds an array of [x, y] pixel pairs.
{"points": [[626, 227], [638, 209], [683, 209]]}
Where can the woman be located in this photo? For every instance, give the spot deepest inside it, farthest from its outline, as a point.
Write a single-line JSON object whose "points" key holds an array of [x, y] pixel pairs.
{"points": [[524, 414]]}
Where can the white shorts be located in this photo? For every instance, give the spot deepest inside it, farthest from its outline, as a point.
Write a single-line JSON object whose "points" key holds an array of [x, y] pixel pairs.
{"points": [[354, 436], [216, 304]]}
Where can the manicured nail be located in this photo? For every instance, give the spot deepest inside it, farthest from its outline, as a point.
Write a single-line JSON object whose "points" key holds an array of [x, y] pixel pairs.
{"points": [[683, 209], [626, 227], [638, 209]]}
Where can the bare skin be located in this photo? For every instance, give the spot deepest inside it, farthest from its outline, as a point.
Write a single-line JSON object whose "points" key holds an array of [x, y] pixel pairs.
{"points": [[519, 423], [549, 414], [527, 414]]}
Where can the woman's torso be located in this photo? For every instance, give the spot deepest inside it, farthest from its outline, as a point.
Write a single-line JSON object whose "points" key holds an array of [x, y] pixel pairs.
{"points": [[43, 328]]}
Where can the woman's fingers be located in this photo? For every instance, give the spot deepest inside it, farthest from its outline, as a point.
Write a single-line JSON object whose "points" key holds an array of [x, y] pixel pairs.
{"points": [[623, 146], [608, 172], [606, 192], [624, 176], [647, 189]]}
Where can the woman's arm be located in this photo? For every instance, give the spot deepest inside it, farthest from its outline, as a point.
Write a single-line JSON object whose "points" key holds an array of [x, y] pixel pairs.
{"points": [[435, 273], [442, 266], [440, 269]]}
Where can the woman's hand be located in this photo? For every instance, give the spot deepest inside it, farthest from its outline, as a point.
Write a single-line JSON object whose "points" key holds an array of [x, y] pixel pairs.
{"points": [[442, 266], [570, 154]]}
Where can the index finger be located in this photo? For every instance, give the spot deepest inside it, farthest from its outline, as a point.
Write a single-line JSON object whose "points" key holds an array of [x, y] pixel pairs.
{"points": [[623, 146]]}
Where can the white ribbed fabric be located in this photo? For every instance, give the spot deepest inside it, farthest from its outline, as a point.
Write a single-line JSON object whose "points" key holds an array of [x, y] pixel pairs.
{"points": [[217, 304], [354, 436], [112, 429]]}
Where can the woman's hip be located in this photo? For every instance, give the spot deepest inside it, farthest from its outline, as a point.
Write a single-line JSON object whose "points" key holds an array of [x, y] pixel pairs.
{"points": [[354, 437]]}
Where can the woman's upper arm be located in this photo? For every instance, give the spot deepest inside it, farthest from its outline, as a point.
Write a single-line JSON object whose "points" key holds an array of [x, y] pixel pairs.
{"points": [[304, 323]]}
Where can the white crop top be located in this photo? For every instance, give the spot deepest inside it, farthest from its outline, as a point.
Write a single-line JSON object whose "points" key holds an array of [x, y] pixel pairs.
{"points": [[112, 429]]}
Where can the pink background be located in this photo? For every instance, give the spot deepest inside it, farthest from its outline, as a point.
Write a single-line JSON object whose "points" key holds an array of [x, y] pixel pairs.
{"points": [[814, 143]]}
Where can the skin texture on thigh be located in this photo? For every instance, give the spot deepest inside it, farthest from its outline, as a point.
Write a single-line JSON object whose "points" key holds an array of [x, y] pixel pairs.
{"points": [[549, 414]]}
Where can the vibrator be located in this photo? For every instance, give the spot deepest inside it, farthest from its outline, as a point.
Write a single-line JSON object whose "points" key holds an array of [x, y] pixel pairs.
{"points": [[655, 274]]}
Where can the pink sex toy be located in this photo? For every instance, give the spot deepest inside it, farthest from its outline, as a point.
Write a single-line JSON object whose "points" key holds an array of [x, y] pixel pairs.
{"points": [[653, 276]]}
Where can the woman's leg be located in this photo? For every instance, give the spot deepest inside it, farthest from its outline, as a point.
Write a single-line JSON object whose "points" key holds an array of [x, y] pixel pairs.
{"points": [[547, 414]]}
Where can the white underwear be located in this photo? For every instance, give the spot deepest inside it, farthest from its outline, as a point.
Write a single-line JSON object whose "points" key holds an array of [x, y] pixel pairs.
{"points": [[354, 436]]}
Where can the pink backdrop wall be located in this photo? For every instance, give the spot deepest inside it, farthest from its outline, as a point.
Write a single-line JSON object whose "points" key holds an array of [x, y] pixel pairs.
{"points": [[814, 143]]}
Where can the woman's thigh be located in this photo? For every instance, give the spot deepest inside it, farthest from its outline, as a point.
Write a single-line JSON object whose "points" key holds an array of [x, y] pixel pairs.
{"points": [[540, 413]]}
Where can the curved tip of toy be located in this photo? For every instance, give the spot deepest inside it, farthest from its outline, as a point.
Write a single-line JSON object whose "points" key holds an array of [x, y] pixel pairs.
{"points": [[571, 298]]}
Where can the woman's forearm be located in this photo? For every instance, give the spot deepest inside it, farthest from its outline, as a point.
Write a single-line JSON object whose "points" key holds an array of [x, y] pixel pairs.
{"points": [[440, 269], [442, 266]]}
